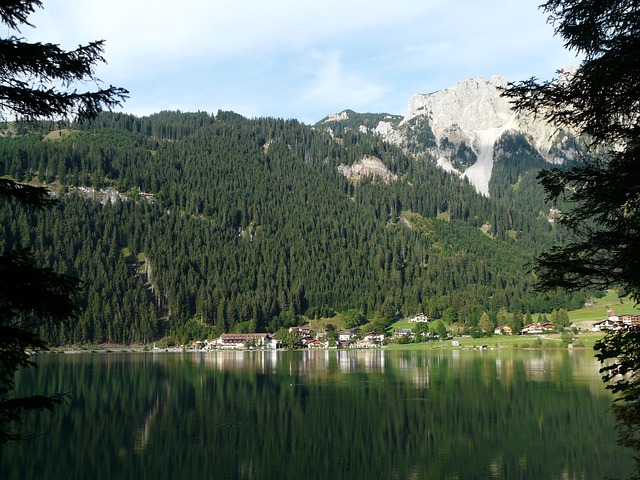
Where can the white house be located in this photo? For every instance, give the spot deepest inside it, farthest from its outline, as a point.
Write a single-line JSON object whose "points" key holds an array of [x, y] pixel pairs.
{"points": [[344, 336], [403, 332], [239, 340], [420, 318], [374, 337]]}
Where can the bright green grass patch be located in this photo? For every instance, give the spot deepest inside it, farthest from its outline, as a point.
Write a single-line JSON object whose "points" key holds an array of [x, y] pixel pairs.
{"points": [[601, 306], [402, 324], [598, 311], [320, 324], [553, 340], [584, 340]]}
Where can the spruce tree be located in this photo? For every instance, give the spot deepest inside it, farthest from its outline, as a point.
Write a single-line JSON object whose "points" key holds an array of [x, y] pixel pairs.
{"points": [[601, 101], [37, 81]]}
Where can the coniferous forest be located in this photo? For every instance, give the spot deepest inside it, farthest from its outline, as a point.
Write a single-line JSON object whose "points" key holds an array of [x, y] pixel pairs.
{"points": [[185, 225]]}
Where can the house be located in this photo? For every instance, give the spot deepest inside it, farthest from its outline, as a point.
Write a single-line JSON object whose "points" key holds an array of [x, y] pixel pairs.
{"points": [[630, 320], [504, 330], [420, 318], [355, 331], [317, 344], [365, 343], [305, 330], [344, 336], [606, 325], [537, 328], [239, 340], [531, 329], [374, 337], [616, 322], [403, 332]]}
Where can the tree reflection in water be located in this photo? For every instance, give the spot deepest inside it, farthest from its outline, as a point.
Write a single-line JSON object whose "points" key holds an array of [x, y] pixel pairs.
{"points": [[323, 414]]}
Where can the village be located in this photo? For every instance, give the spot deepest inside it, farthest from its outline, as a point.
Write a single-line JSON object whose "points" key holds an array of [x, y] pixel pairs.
{"points": [[355, 338], [345, 339]]}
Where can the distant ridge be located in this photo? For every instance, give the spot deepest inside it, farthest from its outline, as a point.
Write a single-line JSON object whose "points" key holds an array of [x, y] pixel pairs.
{"points": [[459, 126]]}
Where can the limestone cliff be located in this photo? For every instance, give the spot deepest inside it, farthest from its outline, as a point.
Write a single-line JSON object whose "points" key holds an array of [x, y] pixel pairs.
{"points": [[460, 125]]}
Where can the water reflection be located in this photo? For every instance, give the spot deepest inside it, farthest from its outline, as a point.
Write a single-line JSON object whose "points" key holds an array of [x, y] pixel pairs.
{"points": [[415, 366], [309, 362], [322, 414]]}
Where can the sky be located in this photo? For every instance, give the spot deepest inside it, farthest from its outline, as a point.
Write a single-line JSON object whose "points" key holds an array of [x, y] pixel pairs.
{"points": [[298, 58]]}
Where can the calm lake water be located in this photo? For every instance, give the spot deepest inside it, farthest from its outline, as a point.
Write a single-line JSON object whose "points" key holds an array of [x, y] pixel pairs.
{"points": [[321, 414]]}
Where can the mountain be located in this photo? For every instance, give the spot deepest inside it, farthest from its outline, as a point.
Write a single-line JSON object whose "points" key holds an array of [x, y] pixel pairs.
{"points": [[185, 225], [459, 128]]}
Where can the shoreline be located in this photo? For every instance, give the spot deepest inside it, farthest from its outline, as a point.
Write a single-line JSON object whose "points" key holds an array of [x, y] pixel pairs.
{"points": [[473, 344]]}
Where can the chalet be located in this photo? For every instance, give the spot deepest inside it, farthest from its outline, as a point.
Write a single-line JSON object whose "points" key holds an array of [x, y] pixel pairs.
{"points": [[304, 330], [504, 330], [306, 340], [403, 332], [313, 344], [240, 340], [606, 325], [614, 323], [365, 343], [537, 328], [420, 318], [344, 336], [630, 320], [374, 337]]}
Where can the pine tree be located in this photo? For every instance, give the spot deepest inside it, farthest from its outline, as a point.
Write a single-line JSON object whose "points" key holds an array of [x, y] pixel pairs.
{"points": [[601, 100], [32, 297]]}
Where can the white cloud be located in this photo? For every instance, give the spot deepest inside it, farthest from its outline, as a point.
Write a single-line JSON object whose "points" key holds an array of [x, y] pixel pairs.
{"points": [[334, 84], [293, 58]]}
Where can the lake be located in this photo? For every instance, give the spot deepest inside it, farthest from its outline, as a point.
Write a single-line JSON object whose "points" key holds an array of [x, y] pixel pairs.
{"points": [[336, 414]]}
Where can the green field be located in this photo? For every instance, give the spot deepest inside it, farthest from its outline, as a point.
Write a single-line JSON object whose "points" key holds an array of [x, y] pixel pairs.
{"points": [[601, 307], [582, 317], [583, 340]]}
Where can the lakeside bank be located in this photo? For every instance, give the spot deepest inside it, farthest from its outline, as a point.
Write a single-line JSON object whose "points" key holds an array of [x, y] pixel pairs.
{"points": [[584, 341]]}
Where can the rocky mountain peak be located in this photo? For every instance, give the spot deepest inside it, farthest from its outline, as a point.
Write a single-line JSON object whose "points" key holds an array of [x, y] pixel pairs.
{"points": [[473, 112], [459, 127], [472, 104]]}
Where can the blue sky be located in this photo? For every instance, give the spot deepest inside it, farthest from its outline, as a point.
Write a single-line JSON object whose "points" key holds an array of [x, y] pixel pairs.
{"points": [[301, 59]]}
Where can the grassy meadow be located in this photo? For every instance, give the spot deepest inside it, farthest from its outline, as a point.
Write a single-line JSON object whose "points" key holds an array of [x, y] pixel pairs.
{"points": [[583, 318], [601, 306]]}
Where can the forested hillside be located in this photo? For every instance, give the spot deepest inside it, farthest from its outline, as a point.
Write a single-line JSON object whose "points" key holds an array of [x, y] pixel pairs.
{"points": [[218, 223]]}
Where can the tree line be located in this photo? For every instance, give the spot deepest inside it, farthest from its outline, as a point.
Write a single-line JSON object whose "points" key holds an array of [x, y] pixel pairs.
{"points": [[247, 225]]}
